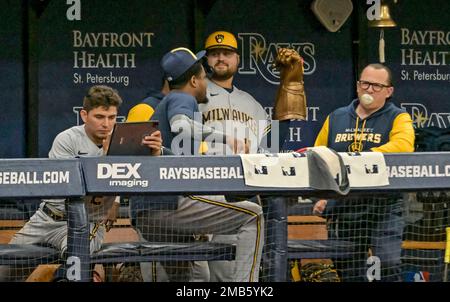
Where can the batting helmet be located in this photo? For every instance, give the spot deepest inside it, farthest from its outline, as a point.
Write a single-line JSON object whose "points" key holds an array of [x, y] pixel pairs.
{"points": [[221, 39]]}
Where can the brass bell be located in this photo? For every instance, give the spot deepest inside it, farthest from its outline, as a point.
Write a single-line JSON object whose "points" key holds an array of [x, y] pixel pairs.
{"points": [[385, 19]]}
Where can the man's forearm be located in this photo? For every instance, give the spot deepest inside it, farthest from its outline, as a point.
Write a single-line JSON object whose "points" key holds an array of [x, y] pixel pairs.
{"points": [[181, 121]]}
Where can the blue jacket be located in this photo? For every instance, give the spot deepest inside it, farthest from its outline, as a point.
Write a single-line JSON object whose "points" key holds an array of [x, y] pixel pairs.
{"points": [[387, 130]]}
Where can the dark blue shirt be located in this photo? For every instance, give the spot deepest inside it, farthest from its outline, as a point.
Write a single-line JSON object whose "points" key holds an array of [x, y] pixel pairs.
{"points": [[153, 98], [173, 104], [348, 133]]}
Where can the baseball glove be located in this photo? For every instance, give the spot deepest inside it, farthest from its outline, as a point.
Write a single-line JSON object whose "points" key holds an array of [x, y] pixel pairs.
{"points": [[313, 272], [318, 272], [129, 272]]}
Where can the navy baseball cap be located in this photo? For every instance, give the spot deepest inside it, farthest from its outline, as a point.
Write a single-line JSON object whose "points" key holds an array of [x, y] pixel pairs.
{"points": [[177, 61]]}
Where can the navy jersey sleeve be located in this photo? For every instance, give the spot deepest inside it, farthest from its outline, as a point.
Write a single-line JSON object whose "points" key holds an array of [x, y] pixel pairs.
{"points": [[181, 104]]}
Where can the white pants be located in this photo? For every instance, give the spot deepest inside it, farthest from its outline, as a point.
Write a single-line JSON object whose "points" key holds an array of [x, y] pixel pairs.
{"points": [[214, 215], [42, 229]]}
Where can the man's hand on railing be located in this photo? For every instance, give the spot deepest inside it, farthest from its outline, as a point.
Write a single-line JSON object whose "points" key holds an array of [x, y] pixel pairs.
{"points": [[111, 216], [320, 206]]}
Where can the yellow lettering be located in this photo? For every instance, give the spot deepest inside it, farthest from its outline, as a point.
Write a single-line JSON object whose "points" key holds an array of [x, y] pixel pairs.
{"points": [[377, 138], [350, 136], [344, 137]]}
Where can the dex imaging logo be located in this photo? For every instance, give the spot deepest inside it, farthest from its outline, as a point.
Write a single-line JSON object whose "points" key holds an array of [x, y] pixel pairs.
{"points": [[121, 175]]}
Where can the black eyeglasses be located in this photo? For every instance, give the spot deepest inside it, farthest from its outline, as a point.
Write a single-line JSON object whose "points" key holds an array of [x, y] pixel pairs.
{"points": [[375, 86]]}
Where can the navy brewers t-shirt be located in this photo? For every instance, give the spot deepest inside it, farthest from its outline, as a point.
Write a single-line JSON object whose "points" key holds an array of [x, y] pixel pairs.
{"points": [[180, 142]]}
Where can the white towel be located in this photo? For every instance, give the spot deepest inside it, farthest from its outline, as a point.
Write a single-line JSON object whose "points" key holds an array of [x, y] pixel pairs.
{"points": [[284, 170], [327, 170], [366, 169]]}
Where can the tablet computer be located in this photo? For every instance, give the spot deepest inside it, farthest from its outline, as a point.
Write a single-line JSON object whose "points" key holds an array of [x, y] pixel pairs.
{"points": [[126, 138]]}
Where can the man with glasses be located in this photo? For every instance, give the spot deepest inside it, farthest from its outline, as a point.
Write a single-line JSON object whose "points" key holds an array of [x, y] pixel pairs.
{"points": [[370, 123]]}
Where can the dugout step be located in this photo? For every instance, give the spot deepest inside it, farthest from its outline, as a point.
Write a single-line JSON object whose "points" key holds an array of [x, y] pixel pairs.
{"points": [[163, 251], [320, 249], [27, 254]]}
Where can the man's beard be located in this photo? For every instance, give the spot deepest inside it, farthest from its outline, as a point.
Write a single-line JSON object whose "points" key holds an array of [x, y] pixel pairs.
{"points": [[222, 75], [203, 101]]}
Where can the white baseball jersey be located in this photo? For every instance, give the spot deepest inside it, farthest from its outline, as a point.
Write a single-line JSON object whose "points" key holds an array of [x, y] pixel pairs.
{"points": [[71, 143], [41, 228], [237, 114]]}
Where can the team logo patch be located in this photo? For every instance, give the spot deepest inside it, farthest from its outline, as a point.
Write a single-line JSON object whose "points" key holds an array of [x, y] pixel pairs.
{"points": [[261, 170], [356, 147], [219, 38]]}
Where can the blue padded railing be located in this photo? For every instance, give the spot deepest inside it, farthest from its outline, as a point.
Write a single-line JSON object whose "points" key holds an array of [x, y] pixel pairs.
{"points": [[126, 175], [164, 251]]}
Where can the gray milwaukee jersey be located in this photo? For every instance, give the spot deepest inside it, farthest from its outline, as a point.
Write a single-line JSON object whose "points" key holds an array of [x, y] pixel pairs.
{"points": [[74, 142], [237, 114], [71, 143]]}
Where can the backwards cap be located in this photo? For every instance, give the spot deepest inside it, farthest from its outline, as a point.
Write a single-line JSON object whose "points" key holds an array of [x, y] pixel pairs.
{"points": [[177, 61]]}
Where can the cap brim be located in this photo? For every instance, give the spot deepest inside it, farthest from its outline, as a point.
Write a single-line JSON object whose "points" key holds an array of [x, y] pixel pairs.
{"points": [[200, 54], [221, 47]]}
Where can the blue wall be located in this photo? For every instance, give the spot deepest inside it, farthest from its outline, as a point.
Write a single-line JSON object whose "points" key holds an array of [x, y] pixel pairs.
{"points": [[12, 100], [418, 52]]}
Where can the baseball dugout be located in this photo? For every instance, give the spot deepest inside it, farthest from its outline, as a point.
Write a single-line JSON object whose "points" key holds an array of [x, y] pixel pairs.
{"points": [[407, 172]]}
